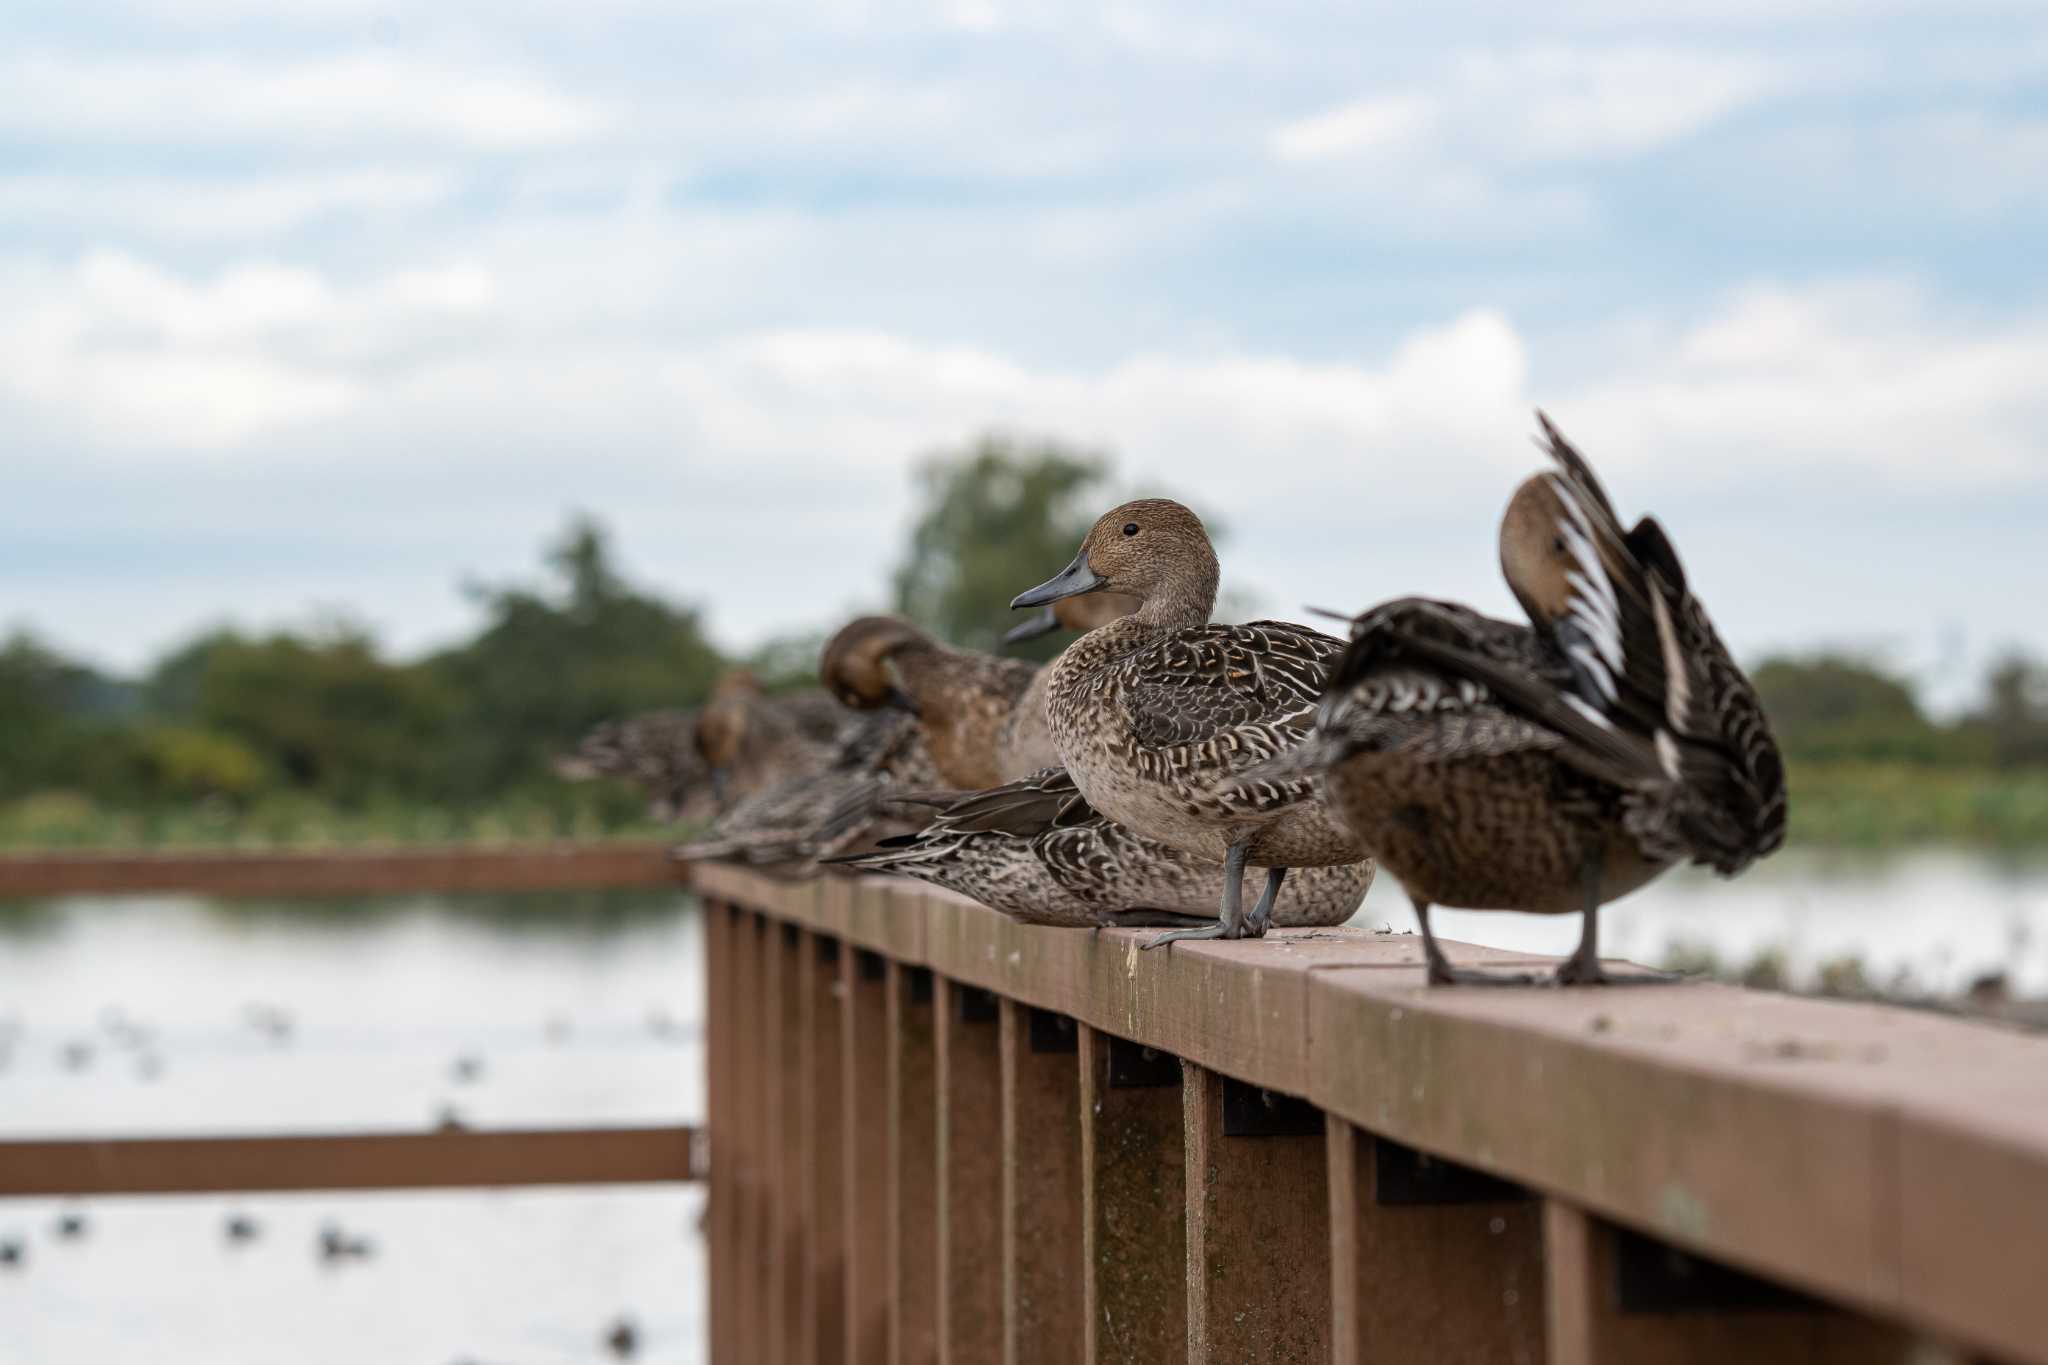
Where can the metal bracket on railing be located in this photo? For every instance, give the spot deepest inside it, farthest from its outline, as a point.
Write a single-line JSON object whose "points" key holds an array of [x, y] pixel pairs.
{"points": [[920, 984], [1133, 1066], [1249, 1111], [1402, 1175], [977, 1006], [1655, 1277], [1052, 1032]]}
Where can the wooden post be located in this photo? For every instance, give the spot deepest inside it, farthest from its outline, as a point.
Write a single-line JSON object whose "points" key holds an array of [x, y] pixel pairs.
{"points": [[775, 1132], [970, 1145], [822, 1340], [913, 1171], [865, 1099], [1134, 1203], [750, 1132], [1258, 1224], [793, 1259], [1041, 1187], [718, 1101], [1428, 1260], [1617, 1299]]}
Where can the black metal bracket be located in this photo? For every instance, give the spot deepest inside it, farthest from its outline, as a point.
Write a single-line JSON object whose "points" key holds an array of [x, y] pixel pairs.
{"points": [[872, 967], [1249, 1111], [1402, 1175], [1655, 1277], [789, 933], [1133, 1066], [828, 948], [1051, 1032], [920, 982], [977, 1006]]}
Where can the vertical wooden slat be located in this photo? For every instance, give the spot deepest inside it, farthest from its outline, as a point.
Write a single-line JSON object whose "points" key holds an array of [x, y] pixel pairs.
{"points": [[1429, 1262], [1590, 1322], [864, 1099], [718, 1111], [1134, 1203], [793, 1239], [776, 1130], [1041, 1187], [823, 1337], [912, 1170], [1258, 1224], [749, 1133], [970, 1144]]}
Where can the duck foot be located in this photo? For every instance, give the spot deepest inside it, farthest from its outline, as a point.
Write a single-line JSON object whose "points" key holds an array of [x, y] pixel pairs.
{"points": [[1214, 929], [1575, 972]]}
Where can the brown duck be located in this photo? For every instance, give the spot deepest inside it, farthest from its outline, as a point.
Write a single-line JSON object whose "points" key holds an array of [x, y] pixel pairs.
{"points": [[1559, 765], [1158, 715]]}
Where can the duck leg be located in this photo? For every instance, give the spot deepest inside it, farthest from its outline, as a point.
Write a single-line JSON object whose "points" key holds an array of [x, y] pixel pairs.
{"points": [[1262, 913], [1231, 924], [1583, 967], [1442, 973]]}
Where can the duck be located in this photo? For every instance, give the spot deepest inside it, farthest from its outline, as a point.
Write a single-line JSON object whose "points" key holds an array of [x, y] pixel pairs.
{"points": [[962, 699], [750, 744], [1035, 851], [1155, 714], [1558, 765], [1024, 743], [880, 752], [654, 750]]}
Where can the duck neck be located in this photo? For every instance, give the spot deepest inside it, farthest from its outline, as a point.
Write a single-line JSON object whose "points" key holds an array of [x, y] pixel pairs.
{"points": [[1179, 604]]}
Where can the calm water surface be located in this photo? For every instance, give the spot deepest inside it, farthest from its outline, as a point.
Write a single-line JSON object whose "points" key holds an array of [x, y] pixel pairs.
{"points": [[173, 1014]]}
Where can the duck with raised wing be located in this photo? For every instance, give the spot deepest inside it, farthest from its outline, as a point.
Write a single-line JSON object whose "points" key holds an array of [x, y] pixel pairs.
{"points": [[1157, 715], [1035, 851], [1559, 765]]}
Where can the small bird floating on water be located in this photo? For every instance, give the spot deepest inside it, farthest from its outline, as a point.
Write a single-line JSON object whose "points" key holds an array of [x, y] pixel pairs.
{"points": [[1559, 765]]}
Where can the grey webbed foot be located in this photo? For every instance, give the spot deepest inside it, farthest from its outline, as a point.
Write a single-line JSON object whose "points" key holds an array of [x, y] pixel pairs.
{"points": [[1262, 913], [1215, 929], [1444, 974], [1575, 972]]}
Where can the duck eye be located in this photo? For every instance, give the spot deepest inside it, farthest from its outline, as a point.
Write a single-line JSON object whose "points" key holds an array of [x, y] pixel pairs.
{"points": [[1130, 528], [1557, 544]]}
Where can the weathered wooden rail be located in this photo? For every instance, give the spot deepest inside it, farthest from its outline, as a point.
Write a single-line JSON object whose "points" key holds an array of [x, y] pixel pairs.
{"points": [[940, 1136]]}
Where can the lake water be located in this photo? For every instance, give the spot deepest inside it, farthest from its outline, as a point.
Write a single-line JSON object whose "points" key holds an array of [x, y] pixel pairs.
{"points": [[171, 1014]]}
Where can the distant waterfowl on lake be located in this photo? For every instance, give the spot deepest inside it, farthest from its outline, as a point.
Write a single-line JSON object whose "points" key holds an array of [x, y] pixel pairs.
{"points": [[1559, 765], [1036, 851], [1156, 714]]}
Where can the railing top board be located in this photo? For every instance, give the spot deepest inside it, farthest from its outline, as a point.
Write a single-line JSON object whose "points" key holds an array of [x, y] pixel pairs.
{"points": [[1881, 1157]]}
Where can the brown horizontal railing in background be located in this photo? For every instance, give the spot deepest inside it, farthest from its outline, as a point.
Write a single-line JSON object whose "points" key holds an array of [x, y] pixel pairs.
{"points": [[344, 871], [1700, 1173], [351, 1161]]}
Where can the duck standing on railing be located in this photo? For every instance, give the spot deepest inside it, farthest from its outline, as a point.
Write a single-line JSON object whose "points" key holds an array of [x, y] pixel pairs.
{"points": [[1555, 766], [1155, 714], [657, 752], [750, 742]]}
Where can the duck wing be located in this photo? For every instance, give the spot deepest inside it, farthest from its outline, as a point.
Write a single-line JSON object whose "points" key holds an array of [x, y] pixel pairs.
{"points": [[1650, 666], [1227, 697]]}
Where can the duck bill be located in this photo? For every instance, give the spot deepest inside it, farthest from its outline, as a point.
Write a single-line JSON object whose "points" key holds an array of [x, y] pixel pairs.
{"points": [[898, 700], [1071, 581], [1045, 623]]}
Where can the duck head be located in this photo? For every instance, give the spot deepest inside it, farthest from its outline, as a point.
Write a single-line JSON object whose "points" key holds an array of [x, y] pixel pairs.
{"points": [[855, 663], [1544, 543], [1153, 550], [725, 726], [1078, 614]]}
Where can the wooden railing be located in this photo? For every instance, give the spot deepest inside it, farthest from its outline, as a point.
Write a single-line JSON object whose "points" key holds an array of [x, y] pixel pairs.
{"points": [[938, 1135]]}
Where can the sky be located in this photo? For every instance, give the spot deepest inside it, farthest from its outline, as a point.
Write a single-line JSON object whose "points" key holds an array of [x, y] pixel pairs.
{"points": [[318, 305]]}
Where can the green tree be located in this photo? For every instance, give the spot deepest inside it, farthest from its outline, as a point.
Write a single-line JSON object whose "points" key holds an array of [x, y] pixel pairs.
{"points": [[2015, 714], [1835, 706], [551, 663], [997, 517]]}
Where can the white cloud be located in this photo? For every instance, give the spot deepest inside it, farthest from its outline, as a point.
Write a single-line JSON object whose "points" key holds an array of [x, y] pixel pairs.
{"points": [[352, 99], [206, 209], [1541, 104]]}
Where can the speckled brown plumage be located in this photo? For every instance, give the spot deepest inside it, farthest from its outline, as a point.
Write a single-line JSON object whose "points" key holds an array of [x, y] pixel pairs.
{"points": [[1035, 851], [1158, 716], [1559, 765]]}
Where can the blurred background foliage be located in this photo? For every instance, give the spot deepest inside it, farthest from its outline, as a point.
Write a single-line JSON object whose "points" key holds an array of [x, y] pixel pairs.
{"points": [[315, 735]]}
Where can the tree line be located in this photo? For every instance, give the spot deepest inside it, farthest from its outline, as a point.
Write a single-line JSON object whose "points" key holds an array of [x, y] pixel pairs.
{"points": [[232, 719]]}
